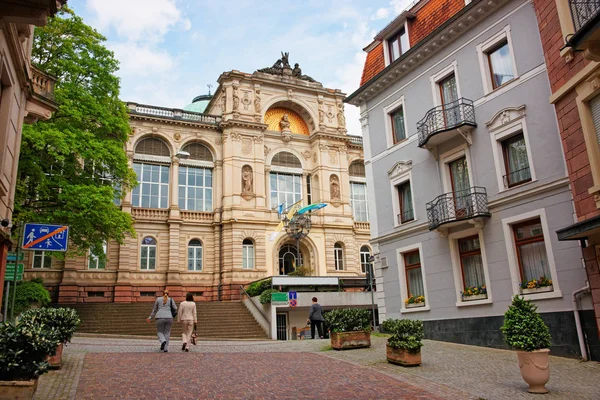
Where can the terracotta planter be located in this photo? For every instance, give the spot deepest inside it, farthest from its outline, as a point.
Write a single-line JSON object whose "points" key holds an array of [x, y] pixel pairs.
{"points": [[350, 340], [55, 361], [535, 369], [402, 357], [17, 390], [538, 290]]}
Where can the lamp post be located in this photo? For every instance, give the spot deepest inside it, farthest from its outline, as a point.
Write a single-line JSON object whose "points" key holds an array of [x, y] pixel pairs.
{"points": [[297, 228]]}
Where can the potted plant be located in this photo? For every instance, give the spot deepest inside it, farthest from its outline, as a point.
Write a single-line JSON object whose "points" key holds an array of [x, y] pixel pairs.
{"points": [[64, 321], [525, 331], [542, 284], [24, 347], [404, 346], [349, 328], [474, 293], [414, 301]]}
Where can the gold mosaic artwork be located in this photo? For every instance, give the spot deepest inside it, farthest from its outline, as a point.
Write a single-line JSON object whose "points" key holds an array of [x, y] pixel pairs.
{"points": [[274, 115]]}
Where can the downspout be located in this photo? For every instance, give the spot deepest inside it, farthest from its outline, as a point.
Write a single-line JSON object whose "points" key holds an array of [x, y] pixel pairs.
{"points": [[582, 346], [220, 254]]}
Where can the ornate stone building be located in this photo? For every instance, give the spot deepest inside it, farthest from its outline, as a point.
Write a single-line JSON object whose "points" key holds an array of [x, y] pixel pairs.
{"points": [[210, 184]]}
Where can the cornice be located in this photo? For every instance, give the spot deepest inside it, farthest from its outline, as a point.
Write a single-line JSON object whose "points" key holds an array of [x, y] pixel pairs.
{"points": [[170, 121], [238, 123]]}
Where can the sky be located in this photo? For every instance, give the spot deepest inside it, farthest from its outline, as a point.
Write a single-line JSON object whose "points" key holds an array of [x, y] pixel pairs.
{"points": [[170, 50]]}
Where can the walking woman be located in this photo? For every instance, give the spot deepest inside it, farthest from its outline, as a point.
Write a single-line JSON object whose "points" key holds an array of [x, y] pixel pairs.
{"points": [[187, 315], [164, 310]]}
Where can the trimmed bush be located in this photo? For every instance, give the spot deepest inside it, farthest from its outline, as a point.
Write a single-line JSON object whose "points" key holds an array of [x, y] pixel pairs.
{"points": [[407, 334], [265, 297], [256, 288], [24, 347], [523, 327], [348, 320], [29, 292], [64, 321]]}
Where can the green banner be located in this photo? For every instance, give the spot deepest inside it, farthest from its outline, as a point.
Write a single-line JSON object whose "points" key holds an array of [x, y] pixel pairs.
{"points": [[279, 297]]}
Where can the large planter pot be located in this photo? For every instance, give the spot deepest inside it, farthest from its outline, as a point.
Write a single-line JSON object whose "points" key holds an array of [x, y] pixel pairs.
{"points": [[350, 340], [55, 361], [402, 357], [17, 390], [534, 369]]}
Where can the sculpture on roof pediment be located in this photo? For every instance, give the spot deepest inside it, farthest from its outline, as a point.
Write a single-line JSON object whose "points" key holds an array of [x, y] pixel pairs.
{"points": [[282, 67]]}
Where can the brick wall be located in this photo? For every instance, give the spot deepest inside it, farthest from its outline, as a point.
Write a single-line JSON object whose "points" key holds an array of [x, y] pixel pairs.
{"points": [[374, 64], [431, 16]]}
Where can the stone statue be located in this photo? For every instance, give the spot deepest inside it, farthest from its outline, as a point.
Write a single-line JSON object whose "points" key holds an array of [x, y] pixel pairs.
{"points": [[257, 106], [297, 72], [340, 115], [335, 188], [236, 98], [247, 179], [321, 116], [282, 65], [223, 100], [284, 123]]}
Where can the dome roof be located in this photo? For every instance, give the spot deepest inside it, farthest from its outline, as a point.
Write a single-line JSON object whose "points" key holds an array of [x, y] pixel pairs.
{"points": [[199, 103]]}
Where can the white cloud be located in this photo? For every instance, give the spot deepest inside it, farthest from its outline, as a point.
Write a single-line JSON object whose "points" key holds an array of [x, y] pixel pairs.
{"points": [[381, 13], [142, 61]]}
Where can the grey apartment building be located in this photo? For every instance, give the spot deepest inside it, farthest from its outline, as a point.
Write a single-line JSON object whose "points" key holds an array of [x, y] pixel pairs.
{"points": [[467, 175]]}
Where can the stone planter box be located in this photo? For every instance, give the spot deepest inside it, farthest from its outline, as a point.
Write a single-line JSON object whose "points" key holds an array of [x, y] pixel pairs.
{"points": [[415, 305], [350, 340], [475, 297], [55, 361], [17, 390], [402, 357], [538, 290]]}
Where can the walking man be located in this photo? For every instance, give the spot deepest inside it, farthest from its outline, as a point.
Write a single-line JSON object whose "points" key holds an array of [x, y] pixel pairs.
{"points": [[315, 317]]}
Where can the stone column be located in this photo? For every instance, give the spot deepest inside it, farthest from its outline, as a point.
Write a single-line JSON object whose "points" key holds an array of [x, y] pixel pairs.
{"points": [[174, 189], [126, 205], [174, 267]]}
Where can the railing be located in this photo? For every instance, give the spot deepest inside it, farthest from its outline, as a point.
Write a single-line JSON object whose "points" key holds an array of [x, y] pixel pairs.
{"points": [[362, 226], [173, 113], [43, 84], [197, 216], [243, 292], [583, 11], [406, 216], [355, 139], [457, 206], [516, 177], [150, 213], [444, 118]]}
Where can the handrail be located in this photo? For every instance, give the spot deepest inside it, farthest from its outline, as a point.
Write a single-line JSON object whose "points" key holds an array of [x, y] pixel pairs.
{"points": [[583, 11], [445, 117], [254, 304]]}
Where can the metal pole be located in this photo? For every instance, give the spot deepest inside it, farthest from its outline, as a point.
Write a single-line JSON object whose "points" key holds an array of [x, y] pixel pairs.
{"points": [[372, 294], [12, 306], [6, 301], [298, 252]]}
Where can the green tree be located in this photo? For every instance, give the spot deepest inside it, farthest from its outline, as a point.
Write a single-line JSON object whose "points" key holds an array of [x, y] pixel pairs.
{"points": [[73, 166]]}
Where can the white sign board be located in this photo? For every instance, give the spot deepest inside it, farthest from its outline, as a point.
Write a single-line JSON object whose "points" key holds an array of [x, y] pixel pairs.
{"points": [[305, 281]]}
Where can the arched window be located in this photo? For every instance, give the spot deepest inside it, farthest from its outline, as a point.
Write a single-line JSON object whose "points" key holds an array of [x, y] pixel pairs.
{"points": [[289, 259], [338, 252], [195, 255], [365, 253], [358, 191], [247, 254], [198, 151], [97, 261], [286, 159], [152, 174], [148, 254], [285, 179]]}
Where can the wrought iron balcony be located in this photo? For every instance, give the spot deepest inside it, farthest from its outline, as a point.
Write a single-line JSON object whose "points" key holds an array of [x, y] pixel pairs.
{"points": [[441, 123], [457, 206], [583, 11]]}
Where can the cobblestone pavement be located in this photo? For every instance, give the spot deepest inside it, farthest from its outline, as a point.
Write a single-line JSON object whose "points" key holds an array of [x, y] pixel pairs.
{"points": [[448, 371]]}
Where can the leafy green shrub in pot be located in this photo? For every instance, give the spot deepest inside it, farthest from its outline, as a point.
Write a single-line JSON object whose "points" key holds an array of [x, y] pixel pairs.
{"points": [[523, 327], [63, 320], [29, 292], [256, 288], [24, 348], [265, 297], [407, 334], [389, 325], [348, 320]]}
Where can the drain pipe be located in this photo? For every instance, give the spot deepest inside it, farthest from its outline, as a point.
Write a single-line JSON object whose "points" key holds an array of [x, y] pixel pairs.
{"points": [[582, 347]]}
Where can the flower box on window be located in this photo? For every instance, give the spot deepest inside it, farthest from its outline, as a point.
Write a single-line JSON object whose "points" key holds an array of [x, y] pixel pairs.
{"points": [[540, 285], [538, 290], [474, 293], [414, 301], [475, 297], [415, 305]]}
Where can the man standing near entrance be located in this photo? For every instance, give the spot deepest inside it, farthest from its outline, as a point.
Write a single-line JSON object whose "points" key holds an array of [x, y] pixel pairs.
{"points": [[315, 317]]}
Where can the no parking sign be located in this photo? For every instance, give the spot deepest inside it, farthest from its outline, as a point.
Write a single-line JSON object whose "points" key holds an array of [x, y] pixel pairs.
{"points": [[293, 299]]}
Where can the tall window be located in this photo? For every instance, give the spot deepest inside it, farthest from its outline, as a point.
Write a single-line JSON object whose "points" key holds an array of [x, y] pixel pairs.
{"points": [[500, 64], [247, 254], [338, 252], [153, 186], [398, 45], [365, 253], [97, 261], [41, 259], [471, 262], [148, 254], [405, 201], [414, 276], [398, 127], [195, 255], [516, 162], [285, 188], [358, 201], [531, 250], [195, 188]]}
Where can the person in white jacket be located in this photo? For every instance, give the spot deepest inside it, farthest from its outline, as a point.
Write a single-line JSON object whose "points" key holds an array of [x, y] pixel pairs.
{"points": [[187, 315]]}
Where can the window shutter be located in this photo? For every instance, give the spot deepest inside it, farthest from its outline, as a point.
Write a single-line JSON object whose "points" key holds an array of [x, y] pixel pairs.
{"points": [[595, 106]]}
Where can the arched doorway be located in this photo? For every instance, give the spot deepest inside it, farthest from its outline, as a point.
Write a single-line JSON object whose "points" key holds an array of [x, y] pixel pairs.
{"points": [[288, 259]]}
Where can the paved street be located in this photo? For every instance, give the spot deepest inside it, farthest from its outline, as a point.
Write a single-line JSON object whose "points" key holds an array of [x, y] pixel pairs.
{"points": [[107, 368]]}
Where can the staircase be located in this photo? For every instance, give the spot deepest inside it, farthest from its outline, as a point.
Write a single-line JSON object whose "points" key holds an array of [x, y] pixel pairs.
{"points": [[216, 320]]}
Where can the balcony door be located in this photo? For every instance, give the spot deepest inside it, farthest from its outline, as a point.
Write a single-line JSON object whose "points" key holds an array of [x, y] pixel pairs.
{"points": [[459, 178], [449, 97]]}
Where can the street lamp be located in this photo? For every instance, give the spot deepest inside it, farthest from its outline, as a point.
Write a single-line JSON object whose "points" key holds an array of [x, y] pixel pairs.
{"points": [[297, 228]]}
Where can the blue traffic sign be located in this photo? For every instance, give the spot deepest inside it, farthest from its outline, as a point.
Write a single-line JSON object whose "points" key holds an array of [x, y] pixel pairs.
{"points": [[292, 295], [45, 237]]}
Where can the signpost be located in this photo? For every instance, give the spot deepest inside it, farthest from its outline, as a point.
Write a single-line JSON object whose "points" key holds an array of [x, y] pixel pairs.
{"points": [[370, 272], [10, 272], [45, 237], [279, 298]]}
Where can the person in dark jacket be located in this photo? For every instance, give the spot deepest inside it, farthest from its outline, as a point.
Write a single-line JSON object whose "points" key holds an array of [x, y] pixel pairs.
{"points": [[315, 318]]}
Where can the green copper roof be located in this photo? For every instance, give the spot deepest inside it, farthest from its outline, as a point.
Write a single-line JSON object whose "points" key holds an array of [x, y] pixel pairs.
{"points": [[199, 103]]}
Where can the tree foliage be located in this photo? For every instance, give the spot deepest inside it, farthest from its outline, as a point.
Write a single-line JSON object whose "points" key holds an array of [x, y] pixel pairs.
{"points": [[73, 166]]}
